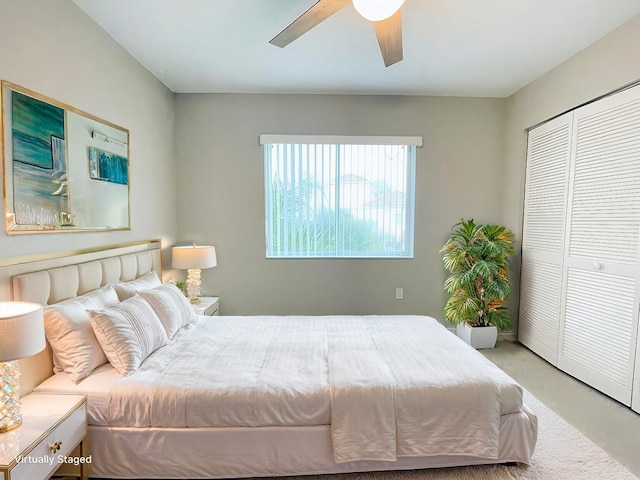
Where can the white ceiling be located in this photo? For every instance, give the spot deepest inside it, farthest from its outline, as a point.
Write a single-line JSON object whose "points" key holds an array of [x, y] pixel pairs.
{"points": [[483, 48]]}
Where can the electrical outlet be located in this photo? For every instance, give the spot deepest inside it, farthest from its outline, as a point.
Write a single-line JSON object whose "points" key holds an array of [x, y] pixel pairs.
{"points": [[399, 293]]}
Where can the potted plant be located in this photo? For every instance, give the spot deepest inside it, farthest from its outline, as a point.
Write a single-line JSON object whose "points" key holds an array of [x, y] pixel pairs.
{"points": [[477, 257], [180, 284]]}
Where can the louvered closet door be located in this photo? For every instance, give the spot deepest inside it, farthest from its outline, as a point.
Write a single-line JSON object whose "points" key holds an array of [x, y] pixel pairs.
{"points": [[600, 320], [548, 158]]}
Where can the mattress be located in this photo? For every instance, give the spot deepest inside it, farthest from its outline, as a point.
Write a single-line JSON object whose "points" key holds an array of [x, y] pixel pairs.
{"points": [[96, 387], [307, 371]]}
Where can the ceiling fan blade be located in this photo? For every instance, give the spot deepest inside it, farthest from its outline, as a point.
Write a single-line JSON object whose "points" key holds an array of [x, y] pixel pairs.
{"points": [[389, 33], [318, 13]]}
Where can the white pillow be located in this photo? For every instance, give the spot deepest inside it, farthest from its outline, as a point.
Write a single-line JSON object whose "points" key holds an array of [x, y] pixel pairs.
{"points": [[128, 333], [171, 306], [100, 298], [76, 350], [128, 289], [75, 347]]}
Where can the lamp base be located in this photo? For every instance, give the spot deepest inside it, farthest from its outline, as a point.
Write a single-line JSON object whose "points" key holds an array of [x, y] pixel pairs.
{"points": [[193, 285], [10, 416]]}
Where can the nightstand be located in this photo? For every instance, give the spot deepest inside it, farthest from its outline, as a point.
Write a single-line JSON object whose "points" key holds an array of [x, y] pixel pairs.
{"points": [[52, 427], [207, 306]]}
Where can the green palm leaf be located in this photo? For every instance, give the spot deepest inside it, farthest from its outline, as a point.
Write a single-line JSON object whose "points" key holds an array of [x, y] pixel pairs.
{"points": [[477, 257]]}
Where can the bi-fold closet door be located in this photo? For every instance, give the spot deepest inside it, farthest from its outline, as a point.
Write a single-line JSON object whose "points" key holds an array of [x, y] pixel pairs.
{"points": [[545, 218], [581, 282]]}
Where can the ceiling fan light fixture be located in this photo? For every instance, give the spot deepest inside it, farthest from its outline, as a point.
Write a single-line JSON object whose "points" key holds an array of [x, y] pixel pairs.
{"points": [[377, 10]]}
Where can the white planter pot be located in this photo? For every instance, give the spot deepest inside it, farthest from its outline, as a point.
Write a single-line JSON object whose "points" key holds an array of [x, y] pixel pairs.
{"points": [[478, 337]]}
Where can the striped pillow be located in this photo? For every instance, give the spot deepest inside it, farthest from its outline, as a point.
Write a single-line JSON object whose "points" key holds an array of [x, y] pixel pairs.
{"points": [[128, 289], [128, 333], [171, 306]]}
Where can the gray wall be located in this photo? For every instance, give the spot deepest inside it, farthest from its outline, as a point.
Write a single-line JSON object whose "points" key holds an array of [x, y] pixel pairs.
{"points": [[53, 48], [221, 196], [472, 164], [610, 63]]}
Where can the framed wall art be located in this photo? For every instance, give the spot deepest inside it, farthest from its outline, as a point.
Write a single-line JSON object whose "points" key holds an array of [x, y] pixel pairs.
{"points": [[108, 167], [49, 186]]}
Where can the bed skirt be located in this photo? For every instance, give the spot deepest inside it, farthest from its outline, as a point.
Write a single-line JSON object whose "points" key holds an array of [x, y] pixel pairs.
{"points": [[207, 453]]}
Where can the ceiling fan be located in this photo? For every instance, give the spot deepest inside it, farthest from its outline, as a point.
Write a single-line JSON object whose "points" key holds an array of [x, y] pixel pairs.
{"points": [[385, 15]]}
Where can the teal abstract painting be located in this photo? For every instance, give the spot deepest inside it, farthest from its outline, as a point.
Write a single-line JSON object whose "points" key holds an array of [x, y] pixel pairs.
{"points": [[35, 125], [108, 167], [39, 161]]}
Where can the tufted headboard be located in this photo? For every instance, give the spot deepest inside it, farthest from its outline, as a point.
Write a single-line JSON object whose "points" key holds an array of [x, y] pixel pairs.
{"points": [[60, 277], [52, 286]]}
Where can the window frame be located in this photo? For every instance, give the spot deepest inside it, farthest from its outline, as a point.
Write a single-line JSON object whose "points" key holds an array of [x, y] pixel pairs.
{"points": [[411, 142]]}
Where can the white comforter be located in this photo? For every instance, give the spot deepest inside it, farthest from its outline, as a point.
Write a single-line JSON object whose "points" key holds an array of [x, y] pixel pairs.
{"points": [[387, 385]]}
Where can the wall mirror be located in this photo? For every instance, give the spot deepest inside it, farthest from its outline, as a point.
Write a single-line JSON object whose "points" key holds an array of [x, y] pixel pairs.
{"points": [[64, 169]]}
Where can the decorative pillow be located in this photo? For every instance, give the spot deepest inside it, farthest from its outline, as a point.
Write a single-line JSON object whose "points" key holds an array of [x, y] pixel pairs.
{"points": [[75, 347], [100, 298], [171, 306], [76, 350], [128, 289], [128, 333]]}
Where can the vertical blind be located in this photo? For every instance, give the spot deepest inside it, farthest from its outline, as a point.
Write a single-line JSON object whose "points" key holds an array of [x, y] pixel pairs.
{"points": [[339, 200]]}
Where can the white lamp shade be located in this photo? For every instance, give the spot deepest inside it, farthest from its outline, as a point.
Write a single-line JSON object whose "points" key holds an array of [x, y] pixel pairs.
{"points": [[377, 10], [193, 256], [21, 330]]}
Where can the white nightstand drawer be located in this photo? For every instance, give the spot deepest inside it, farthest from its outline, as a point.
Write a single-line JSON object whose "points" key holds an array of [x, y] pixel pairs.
{"points": [[25, 452], [212, 310], [41, 461]]}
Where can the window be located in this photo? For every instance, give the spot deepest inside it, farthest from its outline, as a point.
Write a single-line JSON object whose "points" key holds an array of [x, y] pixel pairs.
{"points": [[339, 196]]}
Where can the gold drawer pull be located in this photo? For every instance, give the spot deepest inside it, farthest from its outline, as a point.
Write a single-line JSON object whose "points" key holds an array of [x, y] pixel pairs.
{"points": [[56, 446]]}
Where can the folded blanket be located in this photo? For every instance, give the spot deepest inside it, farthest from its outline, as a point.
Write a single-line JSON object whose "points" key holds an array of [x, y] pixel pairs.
{"points": [[410, 391], [363, 423]]}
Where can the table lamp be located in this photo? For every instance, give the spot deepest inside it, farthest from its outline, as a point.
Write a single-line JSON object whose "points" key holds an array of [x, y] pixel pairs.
{"points": [[193, 259], [21, 335]]}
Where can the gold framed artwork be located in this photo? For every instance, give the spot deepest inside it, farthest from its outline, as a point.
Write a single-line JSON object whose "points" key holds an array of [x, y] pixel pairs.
{"points": [[64, 169]]}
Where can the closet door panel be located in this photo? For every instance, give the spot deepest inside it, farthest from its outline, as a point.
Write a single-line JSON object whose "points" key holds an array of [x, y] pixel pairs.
{"points": [[540, 300], [598, 329], [543, 235], [600, 315]]}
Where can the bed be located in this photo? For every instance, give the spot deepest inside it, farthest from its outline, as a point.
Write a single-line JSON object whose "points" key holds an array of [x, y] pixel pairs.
{"points": [[268, 396]]}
